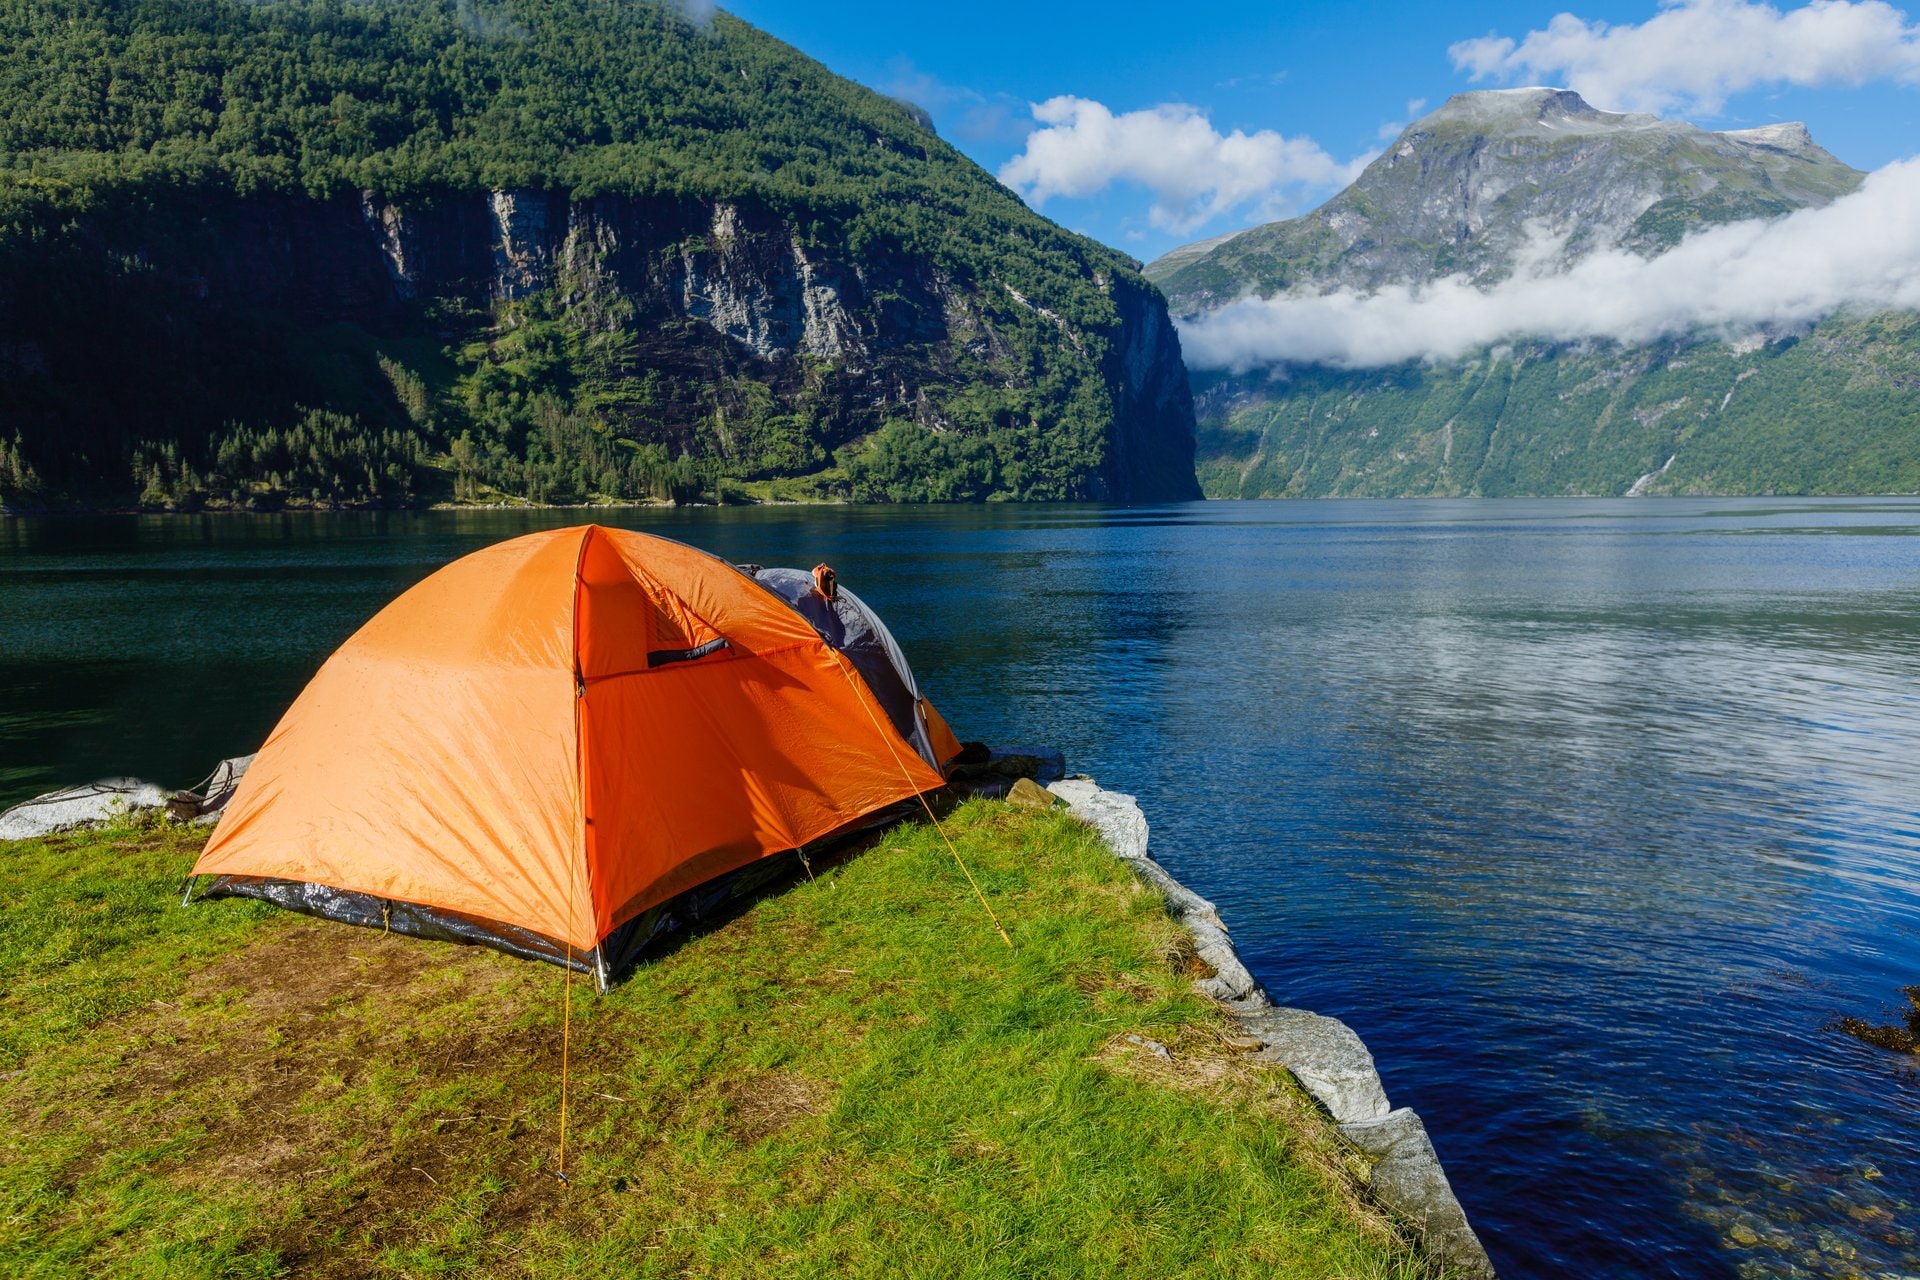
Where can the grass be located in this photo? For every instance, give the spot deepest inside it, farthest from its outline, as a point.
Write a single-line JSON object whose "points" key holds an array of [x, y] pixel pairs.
{"points": [[851, 1076]]}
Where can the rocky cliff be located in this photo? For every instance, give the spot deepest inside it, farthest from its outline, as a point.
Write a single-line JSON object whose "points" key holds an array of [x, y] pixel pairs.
{"points": [[714, 330], [1466, 189], [721, 272]]}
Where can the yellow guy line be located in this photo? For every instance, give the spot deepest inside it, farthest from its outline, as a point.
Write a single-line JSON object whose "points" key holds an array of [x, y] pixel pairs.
{"points": [[887, 738], [566, 1027]]}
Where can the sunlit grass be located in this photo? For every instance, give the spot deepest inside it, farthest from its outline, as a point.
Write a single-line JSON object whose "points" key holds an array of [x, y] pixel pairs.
{"points": [[853, 1076]]}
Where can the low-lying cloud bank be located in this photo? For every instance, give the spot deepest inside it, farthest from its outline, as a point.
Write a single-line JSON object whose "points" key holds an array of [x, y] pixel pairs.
{"points": [[1862, 252]]}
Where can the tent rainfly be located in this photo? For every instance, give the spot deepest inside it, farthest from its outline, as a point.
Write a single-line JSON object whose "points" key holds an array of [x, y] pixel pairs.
{"points": [[544, 742]]}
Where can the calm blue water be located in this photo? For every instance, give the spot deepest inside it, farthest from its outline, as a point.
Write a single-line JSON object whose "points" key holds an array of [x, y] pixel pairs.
{"points": [[1589, 815]]}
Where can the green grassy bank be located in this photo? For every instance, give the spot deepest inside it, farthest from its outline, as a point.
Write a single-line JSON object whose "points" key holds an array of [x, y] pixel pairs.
{"points": [[851, 1076]]}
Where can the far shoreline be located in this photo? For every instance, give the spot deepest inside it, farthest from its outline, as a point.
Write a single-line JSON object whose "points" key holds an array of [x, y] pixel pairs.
{"points": [[310, 509]]}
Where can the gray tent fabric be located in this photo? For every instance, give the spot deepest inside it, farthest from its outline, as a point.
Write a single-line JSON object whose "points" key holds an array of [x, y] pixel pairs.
{"points": [[846, 623]]}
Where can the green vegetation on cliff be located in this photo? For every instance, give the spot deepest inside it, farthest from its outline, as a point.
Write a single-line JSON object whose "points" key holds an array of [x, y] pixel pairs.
{"points": [[419, 97], [852, 1076], [556, 249], [1834, 412]]}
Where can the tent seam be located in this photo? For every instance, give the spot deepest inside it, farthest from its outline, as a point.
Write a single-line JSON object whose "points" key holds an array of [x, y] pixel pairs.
{"points": [[583, 819]]}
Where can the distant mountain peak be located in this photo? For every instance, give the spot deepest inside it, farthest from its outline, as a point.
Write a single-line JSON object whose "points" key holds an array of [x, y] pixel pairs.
{"points": [[1539, 107], [1471, 186]]}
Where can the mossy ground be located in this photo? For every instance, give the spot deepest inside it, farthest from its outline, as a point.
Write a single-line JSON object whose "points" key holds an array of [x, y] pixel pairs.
{"points": [[850, 1076]]}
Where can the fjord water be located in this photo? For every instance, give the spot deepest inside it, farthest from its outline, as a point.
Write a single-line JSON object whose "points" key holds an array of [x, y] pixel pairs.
{"points": [[1590, 816]]}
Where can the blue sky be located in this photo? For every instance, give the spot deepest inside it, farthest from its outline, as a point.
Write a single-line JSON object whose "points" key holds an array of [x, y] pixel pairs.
{"points": [[1329, 78]]}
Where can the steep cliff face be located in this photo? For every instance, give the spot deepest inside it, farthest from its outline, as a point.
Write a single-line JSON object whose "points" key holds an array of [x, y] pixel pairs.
{"points": [[716, 330], [1153, 409], [575, 250]]}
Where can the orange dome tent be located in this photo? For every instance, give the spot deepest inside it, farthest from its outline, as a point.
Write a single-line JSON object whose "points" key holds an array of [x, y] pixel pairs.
{"points": [[551, 738]]}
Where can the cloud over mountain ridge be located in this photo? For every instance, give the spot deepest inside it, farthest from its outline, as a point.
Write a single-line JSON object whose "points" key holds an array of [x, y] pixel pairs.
{"points": [[1862, 252]]}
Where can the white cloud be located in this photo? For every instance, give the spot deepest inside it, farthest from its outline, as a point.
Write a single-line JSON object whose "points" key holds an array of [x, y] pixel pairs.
{"points": [[1195, 172], [1697, 52], [1861, 252]]}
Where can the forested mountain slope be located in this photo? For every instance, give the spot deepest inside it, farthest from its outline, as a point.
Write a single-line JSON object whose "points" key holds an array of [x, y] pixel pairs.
{"points": [[315, 250], [1836, 411], [1477, 191]]}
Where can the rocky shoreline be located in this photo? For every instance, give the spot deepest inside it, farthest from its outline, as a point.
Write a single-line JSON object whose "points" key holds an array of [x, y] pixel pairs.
{"points": [[1325, 1055]]}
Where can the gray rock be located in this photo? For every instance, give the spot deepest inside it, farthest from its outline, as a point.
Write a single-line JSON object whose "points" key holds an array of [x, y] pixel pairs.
{"points": [[766, 293], [522, 258], [1230, 980], [1326, 1056], [83, 806], [1115, 816], [1408, 1179]]}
